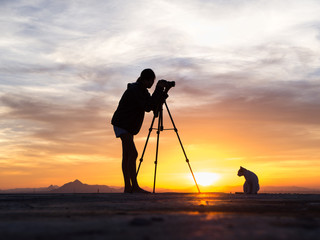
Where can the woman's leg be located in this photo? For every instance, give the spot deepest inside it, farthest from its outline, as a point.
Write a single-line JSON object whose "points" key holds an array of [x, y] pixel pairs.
{"points": [[127, 155], [130, 155]]}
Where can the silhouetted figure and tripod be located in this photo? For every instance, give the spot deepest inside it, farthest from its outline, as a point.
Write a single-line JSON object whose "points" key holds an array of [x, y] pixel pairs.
{"points": [[127, 121]]}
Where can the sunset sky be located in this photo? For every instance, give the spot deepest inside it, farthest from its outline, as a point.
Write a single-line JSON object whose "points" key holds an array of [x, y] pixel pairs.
{"points": [[247, 92]]}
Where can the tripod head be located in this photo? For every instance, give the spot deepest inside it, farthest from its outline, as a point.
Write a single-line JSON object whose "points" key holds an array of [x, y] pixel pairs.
{"points": [[166, 86]]}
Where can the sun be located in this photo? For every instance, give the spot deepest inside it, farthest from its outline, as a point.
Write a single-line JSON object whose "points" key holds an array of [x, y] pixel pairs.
{"points": [[206, 178]]}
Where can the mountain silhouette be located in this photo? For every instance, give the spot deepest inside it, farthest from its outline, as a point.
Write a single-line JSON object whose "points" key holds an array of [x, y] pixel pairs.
{"points": [[79, 187], [30, 190]]}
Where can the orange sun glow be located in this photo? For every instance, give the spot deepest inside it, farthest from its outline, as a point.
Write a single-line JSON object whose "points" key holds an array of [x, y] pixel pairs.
{"points": [[206, 178]]}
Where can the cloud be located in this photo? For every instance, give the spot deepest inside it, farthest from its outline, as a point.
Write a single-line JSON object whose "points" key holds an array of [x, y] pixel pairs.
{"points": [[242, 68], [276, 102], [55, 127]]}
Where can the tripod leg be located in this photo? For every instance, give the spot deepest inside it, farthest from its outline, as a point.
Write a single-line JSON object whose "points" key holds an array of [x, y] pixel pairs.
{"points": [[145, 146], [157, 150], [184, 152]]}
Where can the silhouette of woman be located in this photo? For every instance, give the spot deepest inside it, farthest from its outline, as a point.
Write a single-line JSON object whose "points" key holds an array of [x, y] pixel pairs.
{"points": [[127, 121]]}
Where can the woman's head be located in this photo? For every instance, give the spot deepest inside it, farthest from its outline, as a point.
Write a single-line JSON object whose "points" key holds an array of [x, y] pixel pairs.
{"points": [[147, 78]]}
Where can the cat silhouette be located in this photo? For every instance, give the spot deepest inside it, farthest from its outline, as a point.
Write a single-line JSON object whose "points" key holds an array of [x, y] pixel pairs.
{"points": [[251, 185]]}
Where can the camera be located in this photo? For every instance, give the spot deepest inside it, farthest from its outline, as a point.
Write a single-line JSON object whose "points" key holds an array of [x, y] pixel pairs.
{"points": [[166, 84]]}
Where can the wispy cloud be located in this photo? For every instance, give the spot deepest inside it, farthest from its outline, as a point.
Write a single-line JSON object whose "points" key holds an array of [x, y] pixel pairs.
{"points": [[250, 66]]}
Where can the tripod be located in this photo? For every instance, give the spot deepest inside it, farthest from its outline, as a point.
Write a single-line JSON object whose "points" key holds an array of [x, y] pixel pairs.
{"points": [[160, 128]]}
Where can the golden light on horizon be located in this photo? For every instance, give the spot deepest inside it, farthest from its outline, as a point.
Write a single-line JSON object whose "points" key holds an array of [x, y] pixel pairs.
{"points": [[56, 109], [206, 178]]}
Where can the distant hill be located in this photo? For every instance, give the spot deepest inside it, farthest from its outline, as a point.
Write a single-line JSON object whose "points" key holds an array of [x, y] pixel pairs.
{"points": [[30, 190], [71, 187], [79, 187]]}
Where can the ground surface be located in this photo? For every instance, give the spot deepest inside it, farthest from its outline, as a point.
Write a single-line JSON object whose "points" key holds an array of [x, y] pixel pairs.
{"points": [[159, 216]]}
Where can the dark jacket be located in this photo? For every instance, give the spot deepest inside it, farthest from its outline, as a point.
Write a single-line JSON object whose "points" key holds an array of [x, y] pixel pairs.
{"points": [[134, 102]]}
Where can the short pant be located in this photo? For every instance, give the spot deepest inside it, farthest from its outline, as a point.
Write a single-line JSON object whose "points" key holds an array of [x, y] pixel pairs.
{"points": [[119, 131]]}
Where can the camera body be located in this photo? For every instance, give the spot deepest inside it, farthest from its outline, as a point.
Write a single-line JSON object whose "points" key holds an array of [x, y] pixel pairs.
{"points": [[166, 84]]}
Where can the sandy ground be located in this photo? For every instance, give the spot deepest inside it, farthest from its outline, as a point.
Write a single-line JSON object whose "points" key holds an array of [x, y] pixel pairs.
{"points": [[159, 216]]}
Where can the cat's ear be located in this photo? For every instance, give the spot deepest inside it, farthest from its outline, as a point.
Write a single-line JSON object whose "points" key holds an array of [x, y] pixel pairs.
{"points": [[241, 167]]}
